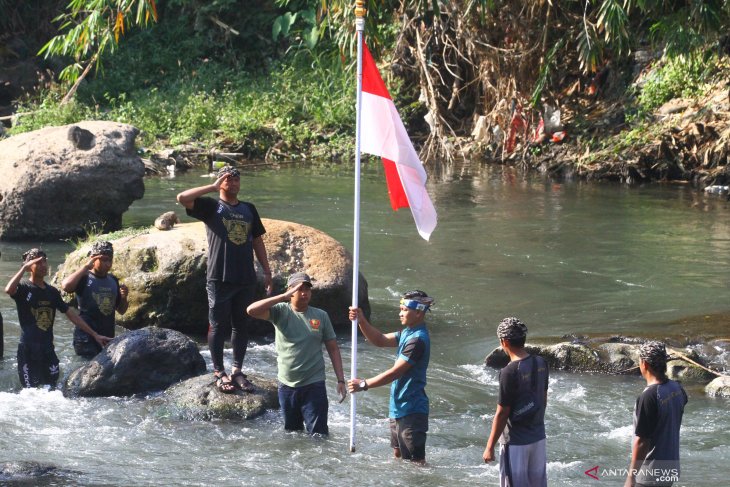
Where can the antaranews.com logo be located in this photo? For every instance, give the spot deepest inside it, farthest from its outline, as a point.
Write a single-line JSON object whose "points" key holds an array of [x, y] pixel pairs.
{"points": [[656, 474]]}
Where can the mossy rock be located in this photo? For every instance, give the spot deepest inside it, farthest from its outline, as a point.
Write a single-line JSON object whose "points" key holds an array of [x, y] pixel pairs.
{"points": [[199, 399]]}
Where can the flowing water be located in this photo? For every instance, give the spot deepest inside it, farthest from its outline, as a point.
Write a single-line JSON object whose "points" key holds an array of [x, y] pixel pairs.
{"points": [[572, 258]]}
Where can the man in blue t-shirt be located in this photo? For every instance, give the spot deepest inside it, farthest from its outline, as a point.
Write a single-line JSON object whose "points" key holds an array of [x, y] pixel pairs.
{"points": [[657, 420], [408, 401], [519, 422], [99, 295], [234, 230], [37, 303]]}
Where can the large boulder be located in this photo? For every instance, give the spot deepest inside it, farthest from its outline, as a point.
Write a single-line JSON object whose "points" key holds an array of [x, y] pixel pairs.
{"points": [[137, 362], [165, 273], [199, 398], [58, 182]]}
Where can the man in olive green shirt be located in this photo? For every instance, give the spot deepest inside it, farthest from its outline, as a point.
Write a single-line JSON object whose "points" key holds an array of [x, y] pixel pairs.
{"points": [[300, 332]]}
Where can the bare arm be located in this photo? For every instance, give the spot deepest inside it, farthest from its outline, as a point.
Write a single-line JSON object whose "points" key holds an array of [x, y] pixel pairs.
{"points": [[395, 372], [639, 450], [260, 250], [334, 352], [372, 334], [12, 286], [71, 282], [187, 197], [498, 424], [261, 309], [77, 320]]}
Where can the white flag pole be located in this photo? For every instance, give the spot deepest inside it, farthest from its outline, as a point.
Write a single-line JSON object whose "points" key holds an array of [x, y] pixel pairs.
{"points": [[360, 28]]}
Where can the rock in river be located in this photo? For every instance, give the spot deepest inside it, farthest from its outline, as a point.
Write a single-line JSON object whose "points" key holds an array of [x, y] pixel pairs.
{"points": [[199, 398], [58, 182], [137, 362]]}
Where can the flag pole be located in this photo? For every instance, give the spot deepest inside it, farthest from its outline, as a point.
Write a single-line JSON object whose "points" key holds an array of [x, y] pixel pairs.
{"points": [[360, 13]]}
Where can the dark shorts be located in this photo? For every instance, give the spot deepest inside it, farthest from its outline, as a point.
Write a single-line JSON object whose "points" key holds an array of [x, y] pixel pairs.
{"points": [[227, 303], [305, 406], [409, 435]]}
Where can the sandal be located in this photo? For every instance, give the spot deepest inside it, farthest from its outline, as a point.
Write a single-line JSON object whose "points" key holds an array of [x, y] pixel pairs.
{"points": [[243, 383], [223, 385]]}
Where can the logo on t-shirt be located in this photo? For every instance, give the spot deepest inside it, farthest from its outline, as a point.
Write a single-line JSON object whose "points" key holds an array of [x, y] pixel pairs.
{"points": [[104, 301], [315, 324], [43, 315], [238, 230]]}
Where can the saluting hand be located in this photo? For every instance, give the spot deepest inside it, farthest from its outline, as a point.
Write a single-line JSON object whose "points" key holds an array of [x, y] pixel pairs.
{"points": [[31, 263], [219, 181]]}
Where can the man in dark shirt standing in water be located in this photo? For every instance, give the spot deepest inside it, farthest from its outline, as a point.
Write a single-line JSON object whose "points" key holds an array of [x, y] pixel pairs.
{"points": [[37, 303], [657, 419], [519, 422], [234, 231], [98, 294]]}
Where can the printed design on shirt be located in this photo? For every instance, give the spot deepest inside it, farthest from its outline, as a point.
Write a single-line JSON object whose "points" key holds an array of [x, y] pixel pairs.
{"points": [[104, 300], [315, 324], [238, 230], [43, 315]]}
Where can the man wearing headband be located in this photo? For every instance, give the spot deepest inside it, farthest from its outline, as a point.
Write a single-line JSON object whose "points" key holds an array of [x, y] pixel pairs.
{"points": [[519, 423], [37, 303], [300, 332], [98, 294], [657, 419], [233, 229], [408, 401]]}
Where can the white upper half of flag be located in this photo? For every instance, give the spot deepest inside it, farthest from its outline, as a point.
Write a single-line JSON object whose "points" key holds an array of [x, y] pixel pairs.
{"points": [[384, 135]]}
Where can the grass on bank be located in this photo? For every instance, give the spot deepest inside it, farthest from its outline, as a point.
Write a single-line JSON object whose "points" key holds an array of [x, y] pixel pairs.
{"points": [[302, 104]]}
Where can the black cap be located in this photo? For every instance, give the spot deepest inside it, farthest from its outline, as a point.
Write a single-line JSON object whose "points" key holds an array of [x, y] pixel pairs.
{"points": [[298, 277]]}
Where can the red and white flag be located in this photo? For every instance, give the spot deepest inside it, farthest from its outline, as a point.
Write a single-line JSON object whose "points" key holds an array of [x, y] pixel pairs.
{"points": [[384, 135]]}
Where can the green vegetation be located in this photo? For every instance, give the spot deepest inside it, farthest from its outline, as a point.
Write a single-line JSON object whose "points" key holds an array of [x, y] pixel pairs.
{"points": [[178, 95], [94, 233], [683, 77], [276, 79]]}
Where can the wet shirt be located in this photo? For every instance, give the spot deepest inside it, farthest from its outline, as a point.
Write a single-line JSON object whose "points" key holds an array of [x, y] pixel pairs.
{"points": [[658, 417], [299, 339], [97, 298], [408, 393], [36, 312], [230, 230], [515, 381]]}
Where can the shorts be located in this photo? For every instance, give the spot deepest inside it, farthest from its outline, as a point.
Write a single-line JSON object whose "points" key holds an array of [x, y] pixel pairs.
{"points": [[408, 434], [523, 465], [305, 406]]}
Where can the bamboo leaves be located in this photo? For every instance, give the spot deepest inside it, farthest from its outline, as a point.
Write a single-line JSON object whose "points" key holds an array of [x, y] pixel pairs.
{"points": [[89, 28]]}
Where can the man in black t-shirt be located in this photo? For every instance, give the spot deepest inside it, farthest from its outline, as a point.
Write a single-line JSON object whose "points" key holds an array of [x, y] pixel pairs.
{"points": [[657, 420], [37, 303], [99, 295], [519, 423], [233, 230]]}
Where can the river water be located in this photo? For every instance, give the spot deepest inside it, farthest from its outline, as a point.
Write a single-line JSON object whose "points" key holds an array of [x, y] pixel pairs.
{"points": [[570, 258]]}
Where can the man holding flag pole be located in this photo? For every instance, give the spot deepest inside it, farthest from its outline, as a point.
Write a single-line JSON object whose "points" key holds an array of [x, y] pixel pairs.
{"points": [[380, 132]]}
